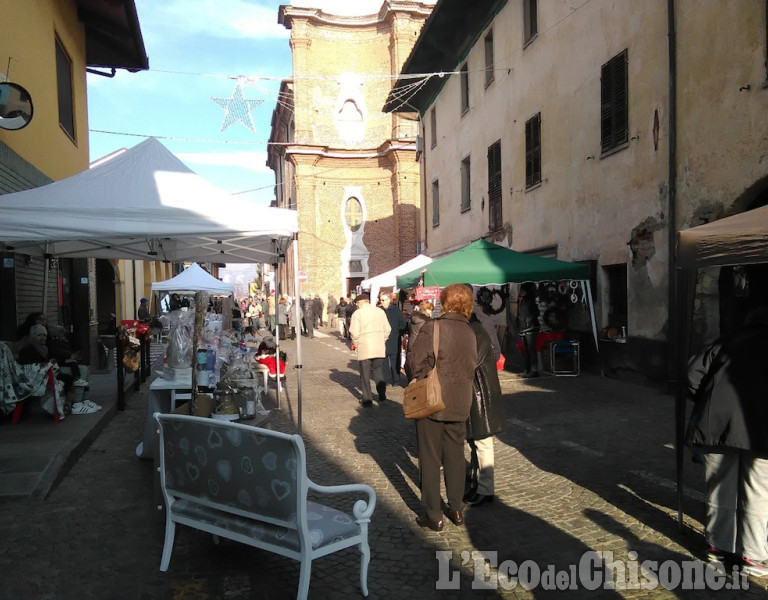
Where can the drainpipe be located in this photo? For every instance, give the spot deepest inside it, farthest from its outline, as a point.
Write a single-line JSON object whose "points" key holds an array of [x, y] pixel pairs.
{"points": [[675, 326], [133, 271], [672, 199]]}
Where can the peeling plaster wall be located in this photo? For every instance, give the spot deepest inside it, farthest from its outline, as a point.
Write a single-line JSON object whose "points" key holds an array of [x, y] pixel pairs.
{"points": [[611, 208]]}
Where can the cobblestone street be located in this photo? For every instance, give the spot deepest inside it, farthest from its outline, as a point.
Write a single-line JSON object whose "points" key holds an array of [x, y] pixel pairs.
{"points": [[584, 464]]}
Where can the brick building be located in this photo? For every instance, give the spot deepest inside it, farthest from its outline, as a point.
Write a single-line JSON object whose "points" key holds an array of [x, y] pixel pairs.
{"points": [[348, 168]]}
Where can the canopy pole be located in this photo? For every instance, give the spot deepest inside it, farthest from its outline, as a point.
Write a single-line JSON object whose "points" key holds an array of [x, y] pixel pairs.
{"points": [[46, 269], [298, 334], [587, 291], [278, 287]]}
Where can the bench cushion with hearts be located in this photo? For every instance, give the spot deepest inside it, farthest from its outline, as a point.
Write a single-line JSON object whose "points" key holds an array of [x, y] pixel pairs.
{"points": [[250, 485]]}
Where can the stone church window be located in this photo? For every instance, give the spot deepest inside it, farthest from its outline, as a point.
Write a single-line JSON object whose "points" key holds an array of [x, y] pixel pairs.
{"points": [[353, 214]]}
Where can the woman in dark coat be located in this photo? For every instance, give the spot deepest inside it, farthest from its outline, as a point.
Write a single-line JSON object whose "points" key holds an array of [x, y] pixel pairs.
{"points": [[441, 436], [421, 315], [486, 416]]}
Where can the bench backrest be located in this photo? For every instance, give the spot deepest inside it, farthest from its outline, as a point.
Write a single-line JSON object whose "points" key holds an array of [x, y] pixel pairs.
{"points": [[234, 467]]}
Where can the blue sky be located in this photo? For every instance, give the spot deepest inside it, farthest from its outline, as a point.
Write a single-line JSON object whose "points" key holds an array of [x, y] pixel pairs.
{"points": [[196, 51]]}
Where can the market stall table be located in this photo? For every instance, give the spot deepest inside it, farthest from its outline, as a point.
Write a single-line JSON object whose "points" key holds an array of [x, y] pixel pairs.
{"points": [[162, 396]]}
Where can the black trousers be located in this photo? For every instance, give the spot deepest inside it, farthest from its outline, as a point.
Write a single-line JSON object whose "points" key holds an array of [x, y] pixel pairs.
{"points": [[441, 442], [368, 367]]}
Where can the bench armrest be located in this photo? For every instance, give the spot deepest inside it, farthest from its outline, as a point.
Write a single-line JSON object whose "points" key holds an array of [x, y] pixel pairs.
{"points": [[362, 510]]}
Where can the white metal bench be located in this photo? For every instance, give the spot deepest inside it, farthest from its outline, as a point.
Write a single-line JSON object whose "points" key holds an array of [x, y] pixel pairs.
{"points": [[250, 485]]}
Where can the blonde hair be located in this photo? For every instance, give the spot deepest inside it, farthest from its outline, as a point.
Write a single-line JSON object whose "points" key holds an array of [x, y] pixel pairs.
{"points": [[457, 298], [425, 305]]}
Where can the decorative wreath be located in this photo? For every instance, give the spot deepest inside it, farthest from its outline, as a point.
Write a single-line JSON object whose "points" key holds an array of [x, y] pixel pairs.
{"points": [[486, 299]]}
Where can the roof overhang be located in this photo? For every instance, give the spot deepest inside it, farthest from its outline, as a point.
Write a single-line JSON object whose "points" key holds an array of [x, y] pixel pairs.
{"points": [[113, 37], [447, 35]]}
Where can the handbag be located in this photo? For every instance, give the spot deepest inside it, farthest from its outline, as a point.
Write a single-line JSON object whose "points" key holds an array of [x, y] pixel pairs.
{"points": [[423, 397], [131, 360]]}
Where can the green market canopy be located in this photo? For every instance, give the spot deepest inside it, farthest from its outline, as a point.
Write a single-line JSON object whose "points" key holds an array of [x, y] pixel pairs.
{"points": [[485, 263]]}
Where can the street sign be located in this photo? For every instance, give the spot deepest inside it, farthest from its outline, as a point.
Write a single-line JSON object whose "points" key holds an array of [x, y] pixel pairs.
{"points": [[302, 277]]}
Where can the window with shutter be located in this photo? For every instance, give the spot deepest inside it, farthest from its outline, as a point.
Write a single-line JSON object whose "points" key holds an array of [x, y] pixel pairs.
{"points": [[494, 186], [614, 109], [435, 203], [64, 90], [530, 21], [433, 127], [465, 187], [464, 79], [533, 151], [489, 58]]}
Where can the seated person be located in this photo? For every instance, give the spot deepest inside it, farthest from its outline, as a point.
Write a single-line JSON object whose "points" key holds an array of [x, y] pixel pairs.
{"points": [[22, 331], [60, 351], [34, 349], [265, 355]]}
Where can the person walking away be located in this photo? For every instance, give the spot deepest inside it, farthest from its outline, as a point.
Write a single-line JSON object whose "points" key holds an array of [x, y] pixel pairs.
{"points": [[341, 314], [319, 307], [266, 315], [253, 313], [486, 417], [309, 317], [528, 327], [729, 424], [369, 329], [296, 319], [441, 436], [351, 308], [143, 312], [397, 325], [282, 317], [331, 307], [271, 312]]}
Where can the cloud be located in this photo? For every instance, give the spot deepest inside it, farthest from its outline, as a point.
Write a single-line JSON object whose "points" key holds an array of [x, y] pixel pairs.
{"points": [[225, 19], [253, 161]]}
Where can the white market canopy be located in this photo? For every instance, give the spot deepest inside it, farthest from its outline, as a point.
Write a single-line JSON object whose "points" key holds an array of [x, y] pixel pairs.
{"points": [[389, 278], [194, 279], [143, 204]]}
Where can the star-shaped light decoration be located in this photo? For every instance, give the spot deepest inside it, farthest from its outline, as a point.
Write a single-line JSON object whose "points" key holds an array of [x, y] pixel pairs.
{"points": [[237, 108]]}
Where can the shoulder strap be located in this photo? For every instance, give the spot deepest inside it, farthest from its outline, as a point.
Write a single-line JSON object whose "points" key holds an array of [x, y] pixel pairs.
{"points": [[436, 339]]}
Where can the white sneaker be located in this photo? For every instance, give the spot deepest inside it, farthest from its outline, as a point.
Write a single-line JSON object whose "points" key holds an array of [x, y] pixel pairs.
{"points": [[81, 383], [93, 405], [81, 408]]}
